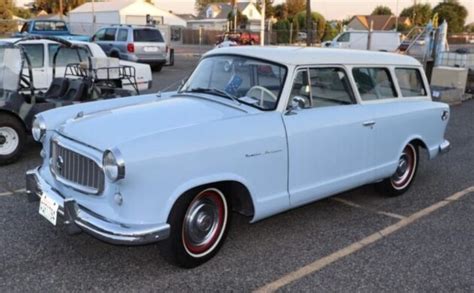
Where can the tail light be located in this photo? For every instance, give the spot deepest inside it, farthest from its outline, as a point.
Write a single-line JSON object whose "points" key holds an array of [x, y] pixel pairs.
{"points": [[130, 48]]}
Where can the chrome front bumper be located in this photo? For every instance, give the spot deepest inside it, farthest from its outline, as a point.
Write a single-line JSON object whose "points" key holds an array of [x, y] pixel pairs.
{"points": [[78, 218], [444, 147]]}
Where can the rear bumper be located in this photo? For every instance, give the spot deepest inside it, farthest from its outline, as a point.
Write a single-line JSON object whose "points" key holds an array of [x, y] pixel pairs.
{"points": [[78, 218], [444, 147]]}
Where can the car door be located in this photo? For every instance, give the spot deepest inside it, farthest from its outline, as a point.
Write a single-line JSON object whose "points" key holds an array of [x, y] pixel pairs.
{"points": [[330, 137], [105, 38], [36, 55]]}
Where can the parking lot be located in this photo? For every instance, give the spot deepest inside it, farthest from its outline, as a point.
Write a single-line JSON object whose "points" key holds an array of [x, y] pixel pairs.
{"points": [[354, 241]]}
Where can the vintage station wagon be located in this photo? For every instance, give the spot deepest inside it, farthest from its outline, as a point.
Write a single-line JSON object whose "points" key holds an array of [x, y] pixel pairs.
{"points": [[256, 130]]}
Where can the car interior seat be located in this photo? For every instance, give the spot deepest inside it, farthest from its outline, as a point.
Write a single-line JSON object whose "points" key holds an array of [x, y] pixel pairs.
{"points": [[56, 90], [76, 91]]}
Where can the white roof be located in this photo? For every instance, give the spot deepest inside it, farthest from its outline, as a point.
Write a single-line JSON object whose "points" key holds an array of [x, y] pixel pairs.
{"points": [[103, 6], [304, 55]]}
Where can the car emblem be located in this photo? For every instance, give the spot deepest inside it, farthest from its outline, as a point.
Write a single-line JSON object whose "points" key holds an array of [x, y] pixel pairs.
{"points": [[59, 164]]}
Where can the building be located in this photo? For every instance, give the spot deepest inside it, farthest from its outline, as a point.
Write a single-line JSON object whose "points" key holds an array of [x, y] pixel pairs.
{"points": [[215, 16], [380, 22], [132, 12]]}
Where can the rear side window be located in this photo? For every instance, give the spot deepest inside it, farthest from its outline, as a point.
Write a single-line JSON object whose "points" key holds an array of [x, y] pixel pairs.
{"points": [[110, 34], [35, 53], [374, 83], [345, 37], [147, 35], [122, 35], [410, 82]]}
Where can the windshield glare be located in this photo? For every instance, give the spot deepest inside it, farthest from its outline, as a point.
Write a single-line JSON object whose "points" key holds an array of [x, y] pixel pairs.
{"points": [[254, 82]]}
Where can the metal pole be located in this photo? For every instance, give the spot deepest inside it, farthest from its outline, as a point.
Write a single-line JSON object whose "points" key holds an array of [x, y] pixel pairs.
{"points": [[369, 36], [309, 23], [61, 9], [262, 25], [93, 16], [396, 18]]}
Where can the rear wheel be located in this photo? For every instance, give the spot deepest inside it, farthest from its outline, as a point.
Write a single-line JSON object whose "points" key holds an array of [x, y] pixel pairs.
{"points": [[404, 176], [199, 223], [12, 139]]}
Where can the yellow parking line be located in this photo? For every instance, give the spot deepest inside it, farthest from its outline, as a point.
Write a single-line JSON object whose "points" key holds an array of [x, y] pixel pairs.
{"points": [[6, 193], [354, 247]]}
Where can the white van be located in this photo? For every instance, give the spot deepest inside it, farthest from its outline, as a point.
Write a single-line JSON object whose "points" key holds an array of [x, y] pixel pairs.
{"points": [[380, 40]]}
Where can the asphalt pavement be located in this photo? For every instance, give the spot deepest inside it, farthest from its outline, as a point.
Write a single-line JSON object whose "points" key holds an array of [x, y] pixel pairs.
{"points": [[432, 253]]}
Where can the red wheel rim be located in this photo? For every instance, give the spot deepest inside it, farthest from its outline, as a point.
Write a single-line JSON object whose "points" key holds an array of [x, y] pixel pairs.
{"points": [[204, 222], [406, 168]]}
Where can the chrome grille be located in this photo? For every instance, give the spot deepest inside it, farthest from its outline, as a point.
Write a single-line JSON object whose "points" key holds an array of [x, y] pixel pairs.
{"points": [[76, 170]]}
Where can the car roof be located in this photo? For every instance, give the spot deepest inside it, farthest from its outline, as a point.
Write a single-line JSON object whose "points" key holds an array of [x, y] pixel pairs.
{"points": [[304, 56]]}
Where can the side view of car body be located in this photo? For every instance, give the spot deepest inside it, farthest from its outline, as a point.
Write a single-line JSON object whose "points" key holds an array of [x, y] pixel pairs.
{"points": [[41, 52], [253, 130], [137, 44]]}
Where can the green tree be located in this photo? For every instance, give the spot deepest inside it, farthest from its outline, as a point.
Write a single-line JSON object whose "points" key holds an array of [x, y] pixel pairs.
{"points": [[52, 6], [333, 28], [453, 13], [319, 23], [21, 12], [280, 11], [201, 4], [419, 14], [282, 30], [295, 6], [269, 9], [382, 10]]}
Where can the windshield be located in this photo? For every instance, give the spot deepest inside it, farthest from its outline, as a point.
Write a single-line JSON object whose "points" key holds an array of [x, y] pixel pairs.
{"points": [[253, 82], [10, 68]]}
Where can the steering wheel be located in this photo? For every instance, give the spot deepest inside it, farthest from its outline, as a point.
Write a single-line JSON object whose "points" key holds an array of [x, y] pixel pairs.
{"points": [[260, 92]]}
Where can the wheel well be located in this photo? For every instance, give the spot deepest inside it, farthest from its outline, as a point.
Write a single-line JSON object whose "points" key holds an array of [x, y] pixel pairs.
{"points": [[419, 144], [235, 191], [14, 116], [114, 54]]}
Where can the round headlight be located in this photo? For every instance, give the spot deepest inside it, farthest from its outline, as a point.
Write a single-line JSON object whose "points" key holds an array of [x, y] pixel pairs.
{"points": [[114, 166], [39, 128]]}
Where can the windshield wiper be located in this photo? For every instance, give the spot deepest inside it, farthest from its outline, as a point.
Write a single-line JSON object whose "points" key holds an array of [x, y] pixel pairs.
{"points": [[213, 91]]}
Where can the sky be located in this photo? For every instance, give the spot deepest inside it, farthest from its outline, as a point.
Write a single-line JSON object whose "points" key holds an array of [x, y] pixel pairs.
{"points": [[331, 9]]}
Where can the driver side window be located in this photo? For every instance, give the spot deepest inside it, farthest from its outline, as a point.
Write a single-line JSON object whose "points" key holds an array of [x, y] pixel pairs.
{"points": [[99, 35]]}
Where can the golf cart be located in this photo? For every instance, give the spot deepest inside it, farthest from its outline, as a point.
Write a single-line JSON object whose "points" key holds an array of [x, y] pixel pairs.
{"points": [[90, 80]]}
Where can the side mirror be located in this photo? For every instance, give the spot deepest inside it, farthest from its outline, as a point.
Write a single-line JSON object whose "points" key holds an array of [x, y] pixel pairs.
{"points": [[297, 103]]}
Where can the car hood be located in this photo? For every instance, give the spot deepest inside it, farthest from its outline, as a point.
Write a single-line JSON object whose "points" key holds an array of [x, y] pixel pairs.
{"points": [[112, 127]]}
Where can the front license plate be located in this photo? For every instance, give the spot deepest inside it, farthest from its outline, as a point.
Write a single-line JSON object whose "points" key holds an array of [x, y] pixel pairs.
{"points": [[49, 209], [151, 49]]}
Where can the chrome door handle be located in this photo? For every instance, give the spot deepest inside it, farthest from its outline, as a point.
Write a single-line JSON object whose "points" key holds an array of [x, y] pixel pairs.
{"points": [[369, 123]]}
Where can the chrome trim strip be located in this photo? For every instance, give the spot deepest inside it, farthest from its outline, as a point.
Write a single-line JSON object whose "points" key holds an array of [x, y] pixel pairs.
{"points": [[444, 147], [78, 160]]}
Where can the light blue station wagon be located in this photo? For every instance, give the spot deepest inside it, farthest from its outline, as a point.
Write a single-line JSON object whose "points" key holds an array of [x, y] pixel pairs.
{"points": [[256, 130]]}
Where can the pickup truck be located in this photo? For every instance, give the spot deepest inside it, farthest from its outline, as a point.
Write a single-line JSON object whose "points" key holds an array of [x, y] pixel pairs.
{"points": [[54, 28]]}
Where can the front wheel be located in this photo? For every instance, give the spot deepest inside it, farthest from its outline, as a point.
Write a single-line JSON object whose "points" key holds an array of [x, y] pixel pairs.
{"points": [[404, 176], [12, 139], [199, 223]]}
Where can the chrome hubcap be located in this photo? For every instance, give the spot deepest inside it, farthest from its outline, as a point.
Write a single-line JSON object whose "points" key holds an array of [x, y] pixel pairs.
{"points": [[9, 140], [202, 220], [405, 168]]}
